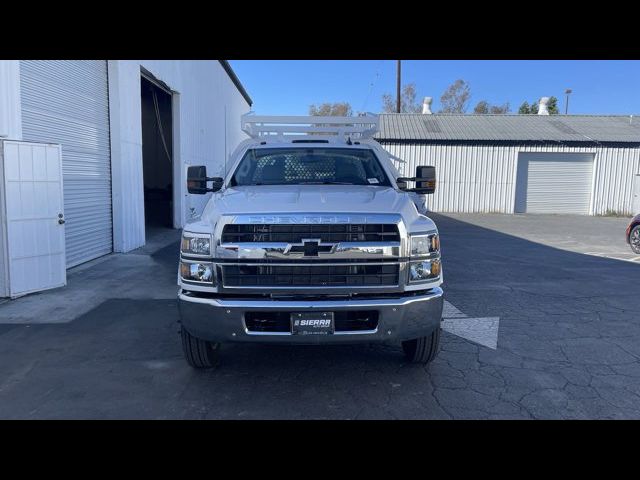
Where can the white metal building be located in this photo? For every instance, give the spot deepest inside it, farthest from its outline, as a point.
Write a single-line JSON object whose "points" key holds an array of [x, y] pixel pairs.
{"points": [[127, 131], [522, 163]]}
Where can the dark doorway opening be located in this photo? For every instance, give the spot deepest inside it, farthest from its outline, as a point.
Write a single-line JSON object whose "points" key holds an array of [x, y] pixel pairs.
{"points": [[157, 156]]}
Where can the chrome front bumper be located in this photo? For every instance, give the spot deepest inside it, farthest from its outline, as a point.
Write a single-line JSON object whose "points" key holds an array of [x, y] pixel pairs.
{"points": [[399, 318]]}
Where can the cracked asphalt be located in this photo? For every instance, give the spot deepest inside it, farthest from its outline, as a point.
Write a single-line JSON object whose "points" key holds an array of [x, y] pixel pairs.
{"points": [[568, 344]]}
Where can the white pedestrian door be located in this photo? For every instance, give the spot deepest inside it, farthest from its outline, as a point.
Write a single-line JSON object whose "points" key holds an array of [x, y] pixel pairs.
{"points": [[35, 217]]}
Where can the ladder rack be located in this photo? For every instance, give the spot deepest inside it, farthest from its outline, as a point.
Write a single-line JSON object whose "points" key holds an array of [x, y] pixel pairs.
{"points": [[335, 129]]}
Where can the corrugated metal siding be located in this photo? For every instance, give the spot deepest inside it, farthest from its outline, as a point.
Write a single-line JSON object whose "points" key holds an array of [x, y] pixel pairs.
{"points": [[482, 178], [67, 102], [557, 182], [4, 270], [514, 127]]}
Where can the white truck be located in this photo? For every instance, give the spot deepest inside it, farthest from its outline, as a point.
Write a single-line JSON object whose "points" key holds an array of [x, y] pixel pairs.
{"points": [[312, 237]]}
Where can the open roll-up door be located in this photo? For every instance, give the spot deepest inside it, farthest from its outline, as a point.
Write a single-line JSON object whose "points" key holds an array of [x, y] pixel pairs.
{"points": [[67, 102]]}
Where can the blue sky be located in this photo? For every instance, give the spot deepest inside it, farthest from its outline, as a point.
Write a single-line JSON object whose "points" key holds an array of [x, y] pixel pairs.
{"points": [[288, 87]]}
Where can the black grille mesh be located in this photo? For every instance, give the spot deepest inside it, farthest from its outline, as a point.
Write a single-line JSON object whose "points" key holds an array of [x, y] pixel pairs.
{"points": [[330, 233], [309, 275]]}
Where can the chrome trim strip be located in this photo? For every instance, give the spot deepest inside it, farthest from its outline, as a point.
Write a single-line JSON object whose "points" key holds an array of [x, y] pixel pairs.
{"points": [[307, 264], [280, 334], [281, 250], [248, 304]]}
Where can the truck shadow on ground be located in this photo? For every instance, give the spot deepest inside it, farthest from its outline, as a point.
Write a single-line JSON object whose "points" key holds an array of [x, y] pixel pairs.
{"points": [[568, 347]]}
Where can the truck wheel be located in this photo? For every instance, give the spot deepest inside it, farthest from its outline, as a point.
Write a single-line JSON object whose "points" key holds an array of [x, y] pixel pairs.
{"points": [[424, 349], [199, 353], [634, 239]]}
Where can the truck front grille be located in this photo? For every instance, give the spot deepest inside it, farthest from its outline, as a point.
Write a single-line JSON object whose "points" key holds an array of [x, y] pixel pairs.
{"points": [[310, 275], [328, 233]]}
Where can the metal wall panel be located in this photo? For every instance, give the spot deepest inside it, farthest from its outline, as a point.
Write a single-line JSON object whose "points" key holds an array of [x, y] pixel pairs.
{"points": [[482, 178], [67, 102], [4, 263], [556, 182], [207, 108]]}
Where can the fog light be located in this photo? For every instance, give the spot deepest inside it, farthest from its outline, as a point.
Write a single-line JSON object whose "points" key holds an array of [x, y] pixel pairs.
{"points": [[196, 272]]}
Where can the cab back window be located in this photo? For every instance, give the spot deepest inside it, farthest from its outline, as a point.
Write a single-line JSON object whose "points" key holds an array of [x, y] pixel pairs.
{"points": [[303, 166]]}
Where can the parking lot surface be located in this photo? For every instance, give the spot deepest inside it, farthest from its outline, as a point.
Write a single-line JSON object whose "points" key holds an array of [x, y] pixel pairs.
{"points": [[543, 322]]}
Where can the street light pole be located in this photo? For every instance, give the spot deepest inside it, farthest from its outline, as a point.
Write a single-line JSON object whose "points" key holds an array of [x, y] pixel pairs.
{"points": [[398, 88], [566, 105]]}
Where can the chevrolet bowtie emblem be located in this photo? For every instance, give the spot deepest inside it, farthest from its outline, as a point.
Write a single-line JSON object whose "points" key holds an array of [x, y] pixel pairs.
{"points": [[309, 247]]}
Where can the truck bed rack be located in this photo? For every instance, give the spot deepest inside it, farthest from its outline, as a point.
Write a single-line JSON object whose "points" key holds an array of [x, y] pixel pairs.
{"points": [[332, 129]]}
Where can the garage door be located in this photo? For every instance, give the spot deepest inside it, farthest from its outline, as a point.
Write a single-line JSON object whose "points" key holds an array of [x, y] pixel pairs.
{"points": [[67, 102], [554, 183]]}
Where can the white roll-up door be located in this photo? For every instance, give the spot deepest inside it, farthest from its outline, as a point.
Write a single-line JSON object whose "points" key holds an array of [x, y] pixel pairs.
{"points": [[67, 102], [554, 182]]}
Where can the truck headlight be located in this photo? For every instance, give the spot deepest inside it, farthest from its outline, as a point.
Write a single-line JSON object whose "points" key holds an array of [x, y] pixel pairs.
{"points": [[424, 244], [195, 244], [424, 270], [196, 272]]}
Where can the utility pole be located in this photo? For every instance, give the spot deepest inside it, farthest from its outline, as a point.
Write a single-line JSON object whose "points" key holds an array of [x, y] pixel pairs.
{"points": [[566, 105], [398, 102]]}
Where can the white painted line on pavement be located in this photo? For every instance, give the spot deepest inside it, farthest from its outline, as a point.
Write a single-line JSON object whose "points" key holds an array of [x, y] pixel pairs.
{"points": [[483, 330]]}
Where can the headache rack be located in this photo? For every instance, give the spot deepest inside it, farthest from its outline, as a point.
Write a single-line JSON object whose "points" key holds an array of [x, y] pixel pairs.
{"points": [[309, 129]]}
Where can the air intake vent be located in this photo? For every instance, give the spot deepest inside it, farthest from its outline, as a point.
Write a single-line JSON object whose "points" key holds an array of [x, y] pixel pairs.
{"points": [[331, 233], [309, 275]]}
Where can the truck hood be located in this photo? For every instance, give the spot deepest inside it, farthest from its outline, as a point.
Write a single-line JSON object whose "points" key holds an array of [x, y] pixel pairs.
{"points": [[309, 198], [282, 199]]}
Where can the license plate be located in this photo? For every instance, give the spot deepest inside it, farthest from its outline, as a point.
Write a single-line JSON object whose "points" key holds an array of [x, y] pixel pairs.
{"points": [[312, 323]]}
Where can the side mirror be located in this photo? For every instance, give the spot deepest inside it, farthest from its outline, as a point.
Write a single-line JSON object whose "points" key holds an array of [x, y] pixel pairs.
{"points": [[197, 181], [425, 180]]}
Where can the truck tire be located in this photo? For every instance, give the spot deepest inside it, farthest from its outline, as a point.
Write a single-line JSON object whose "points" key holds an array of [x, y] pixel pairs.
{"points": [[199, 353], [424, 349], [634, 239]]}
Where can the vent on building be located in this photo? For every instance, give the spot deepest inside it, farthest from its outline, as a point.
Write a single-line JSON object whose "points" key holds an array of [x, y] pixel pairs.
{"points": [[432, 125], [563, 127]]}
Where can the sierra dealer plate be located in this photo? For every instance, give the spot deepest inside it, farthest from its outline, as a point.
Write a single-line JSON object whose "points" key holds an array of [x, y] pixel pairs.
{"points": [[312, 323]]}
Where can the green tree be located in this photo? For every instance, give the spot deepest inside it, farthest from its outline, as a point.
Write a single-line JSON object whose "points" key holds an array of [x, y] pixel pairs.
{"points": [[483, 107], [337, 109], [525, 108], [552, 106], [408, 103]]}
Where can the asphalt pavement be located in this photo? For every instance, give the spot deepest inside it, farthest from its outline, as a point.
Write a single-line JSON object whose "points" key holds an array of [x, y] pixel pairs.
{"points": [[543, 323]]}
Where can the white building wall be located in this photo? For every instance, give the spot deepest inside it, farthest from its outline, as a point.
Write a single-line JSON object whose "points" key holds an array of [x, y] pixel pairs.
{"points": [[10, 110], [482, 178], [207, 110]]}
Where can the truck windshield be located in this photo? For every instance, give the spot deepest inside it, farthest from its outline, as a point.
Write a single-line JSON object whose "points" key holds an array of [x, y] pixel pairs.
{"points": [[309, 166]]}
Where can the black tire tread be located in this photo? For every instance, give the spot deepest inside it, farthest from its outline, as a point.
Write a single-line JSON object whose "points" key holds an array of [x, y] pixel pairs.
{"points": [[637, 227], [199, 353], [424, 349]]}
